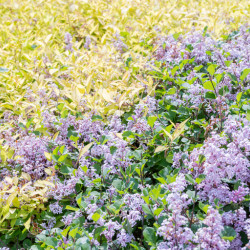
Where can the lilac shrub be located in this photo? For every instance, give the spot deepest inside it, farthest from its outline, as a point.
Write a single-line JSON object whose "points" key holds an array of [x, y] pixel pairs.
{"points": [[192, 53], [171, 173]]}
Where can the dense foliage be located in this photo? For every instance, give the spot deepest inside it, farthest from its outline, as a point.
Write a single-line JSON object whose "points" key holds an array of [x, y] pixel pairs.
{"points": [[169, 172], [88, 53]]}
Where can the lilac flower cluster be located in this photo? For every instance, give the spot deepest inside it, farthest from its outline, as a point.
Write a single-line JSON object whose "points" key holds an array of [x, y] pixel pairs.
{"points": [[30, 155], [226, 158], [68, 41], [209, 237], [119, 44], [111, 228], [174, 229], [55, 208], [124, 238]]}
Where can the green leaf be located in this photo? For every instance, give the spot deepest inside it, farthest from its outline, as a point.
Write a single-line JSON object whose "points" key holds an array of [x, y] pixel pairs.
{"points": [[158, 211], [171, 91], [233, 77], [173, 71], [191, 194], [74, 138], [151, 121], [96, 217], [228, 63], [176, 35], [83, 243], [85, 149], [113, 149], [66, 170], [168, 134], [198, 68], [199, 179], [51, 241], [244, 74], [68, 207], [203, 207], [189, 178], [98, 231], [65, 231], [27, 223], [64, 113], [16, 202], [62, 149], [208, 85], [154, 193], [248, 115], [62, 158], [117, 184], [98, 180], [211, 69], [84, 168], [210, 95], [128, 134], [27, 243], [160, 149], [150, 236], [60, 106], [238, 97], [179, 130], [202, 158], [3, 155], [219, 77], [224, 90], [228, 233], [208, 52], [73, 232], [146, 209], [205, 31]]}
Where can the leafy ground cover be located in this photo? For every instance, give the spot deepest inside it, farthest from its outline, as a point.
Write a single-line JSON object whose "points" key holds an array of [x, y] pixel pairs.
{"points": [[123, 128], [171, 172]]}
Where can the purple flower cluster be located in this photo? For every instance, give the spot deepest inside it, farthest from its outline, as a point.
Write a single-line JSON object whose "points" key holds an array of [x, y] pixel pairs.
{"points": [[119, 44], [209, 237], [174, 229], [68, 41], [124, 238], [30, 155], [55, 208], [111, 228], [226, 158]]}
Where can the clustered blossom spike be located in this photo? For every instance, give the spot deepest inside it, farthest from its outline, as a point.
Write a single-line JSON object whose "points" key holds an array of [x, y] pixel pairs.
{"points": [[55, 208], [111, 228], [68, 41], [30, 154], [224, 159], [209, 237], [123, 238], [119, 44]]}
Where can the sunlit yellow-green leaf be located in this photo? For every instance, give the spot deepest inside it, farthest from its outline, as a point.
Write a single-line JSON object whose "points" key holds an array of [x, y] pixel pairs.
{"points": [[85, 149]]}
